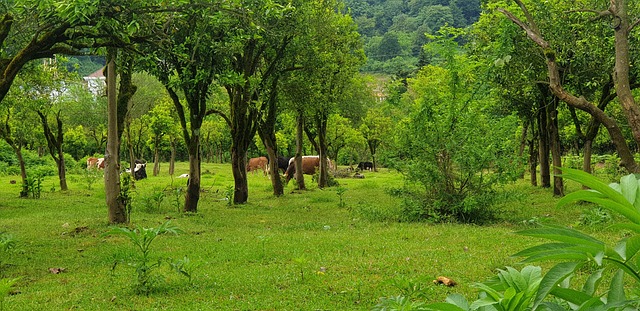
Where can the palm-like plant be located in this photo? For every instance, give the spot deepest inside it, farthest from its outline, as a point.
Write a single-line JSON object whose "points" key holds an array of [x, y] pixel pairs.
{"points": [[527, 290]]}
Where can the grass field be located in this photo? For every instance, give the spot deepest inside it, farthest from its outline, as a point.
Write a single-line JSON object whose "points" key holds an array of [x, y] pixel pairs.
{"points": [[301, 251]]}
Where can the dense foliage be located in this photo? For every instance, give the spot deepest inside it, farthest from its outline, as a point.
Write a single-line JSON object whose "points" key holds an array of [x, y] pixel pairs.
{"points": [[395, 31]]}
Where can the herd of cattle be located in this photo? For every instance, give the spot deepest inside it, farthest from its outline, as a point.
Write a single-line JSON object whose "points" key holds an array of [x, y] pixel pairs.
{"points": [[288, 168], [139, 171], [285, 164]]}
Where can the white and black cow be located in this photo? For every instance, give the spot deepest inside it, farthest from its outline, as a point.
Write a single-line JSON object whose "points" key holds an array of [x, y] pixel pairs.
{"points": [[140, 169]]}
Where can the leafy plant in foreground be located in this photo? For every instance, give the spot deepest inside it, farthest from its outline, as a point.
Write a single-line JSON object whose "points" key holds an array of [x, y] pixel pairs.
{"points": [[142, 239], [574, 250]]}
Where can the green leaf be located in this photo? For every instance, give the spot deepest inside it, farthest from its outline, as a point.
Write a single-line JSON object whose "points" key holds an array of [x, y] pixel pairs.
{"points": [[565, 235], [593, 183], [616, 288], [629, 247], [592, 282], [459, 301], [571, 295], [444, 307], [550, 280], [629, 187]]}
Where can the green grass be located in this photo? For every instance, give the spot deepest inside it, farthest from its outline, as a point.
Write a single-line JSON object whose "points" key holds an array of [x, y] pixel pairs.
{"points": [[300, 251]]}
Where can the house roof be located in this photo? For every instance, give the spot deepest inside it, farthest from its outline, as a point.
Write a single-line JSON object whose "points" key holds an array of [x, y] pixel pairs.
{"points": [[97, 74]]}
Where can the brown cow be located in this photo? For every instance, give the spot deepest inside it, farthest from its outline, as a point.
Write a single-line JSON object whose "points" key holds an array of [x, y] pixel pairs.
{"points": [[309, 164], [95, 163], [257, 163]]}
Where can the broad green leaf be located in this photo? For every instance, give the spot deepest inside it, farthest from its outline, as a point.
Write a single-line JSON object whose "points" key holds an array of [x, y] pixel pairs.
{"points": [[483, 302], [593, 183], [629, 187], [624, 208], [552, 278], [628, 247], [592, 282], [632, 227], [458, 300], [571, 295], [443, 306], [565, 235], [492, 293], [550, 306], [559, 255], [551, 248], [616, 288]]}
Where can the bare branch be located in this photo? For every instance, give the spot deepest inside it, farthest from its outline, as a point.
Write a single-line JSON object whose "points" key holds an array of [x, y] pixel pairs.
{"points": [[532, 34], [532, 23], [599, 14], [634, 25], [220, 113]]}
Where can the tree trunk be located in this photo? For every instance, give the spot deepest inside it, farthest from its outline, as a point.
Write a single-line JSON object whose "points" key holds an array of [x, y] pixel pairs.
{"points": [[321, 123], [276, 181], [556, 155], [62, 174], [621, 70], [543, 145], [193, 188], [156, 160], [239, 169], [533, 162], [579, 102], [117, 209], [172, 159], [54, 145], [299, 144]]}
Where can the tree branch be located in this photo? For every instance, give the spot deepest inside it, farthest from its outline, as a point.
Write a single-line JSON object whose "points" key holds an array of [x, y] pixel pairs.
{"points": [[634, 25], [220, 113], [531, 33]]}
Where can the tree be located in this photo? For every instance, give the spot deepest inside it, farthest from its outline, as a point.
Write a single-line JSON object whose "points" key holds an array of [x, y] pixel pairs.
{"points": [[333, 62], [193, 47], [375, 126], [253, 73], [579, 102], [448, 142], [341, 135]]}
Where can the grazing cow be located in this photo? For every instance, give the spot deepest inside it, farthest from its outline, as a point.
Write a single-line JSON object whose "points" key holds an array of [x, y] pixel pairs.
{"points": [[257, 163], [309, 164], [368, 166], [95, 163], [92, 163], [283, 163], [140, 170], [101, 163]]}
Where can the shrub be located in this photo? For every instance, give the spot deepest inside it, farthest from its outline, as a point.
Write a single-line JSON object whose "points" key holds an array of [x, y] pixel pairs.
{"points": [[529, 290]]}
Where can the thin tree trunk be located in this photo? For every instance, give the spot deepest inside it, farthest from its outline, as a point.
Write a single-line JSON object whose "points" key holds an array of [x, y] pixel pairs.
{"points": [[117, 210], [621, 71], [172, 160], [239, 169], [543, 146], [299, 144], [556, 156], [321, 122], [533, 162], [193, 188], [156, 161]]}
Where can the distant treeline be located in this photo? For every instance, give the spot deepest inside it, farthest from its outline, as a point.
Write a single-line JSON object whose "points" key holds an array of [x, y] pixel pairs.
{"points": [[393, 30]]}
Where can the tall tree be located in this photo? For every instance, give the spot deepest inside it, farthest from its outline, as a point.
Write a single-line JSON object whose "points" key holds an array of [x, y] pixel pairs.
{"points": [[263, 37], [335, 65], [190, 53], [533, 32]]}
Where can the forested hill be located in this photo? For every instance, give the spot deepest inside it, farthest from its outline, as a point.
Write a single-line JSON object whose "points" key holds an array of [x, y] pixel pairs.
{"points": [[393, 30]]}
